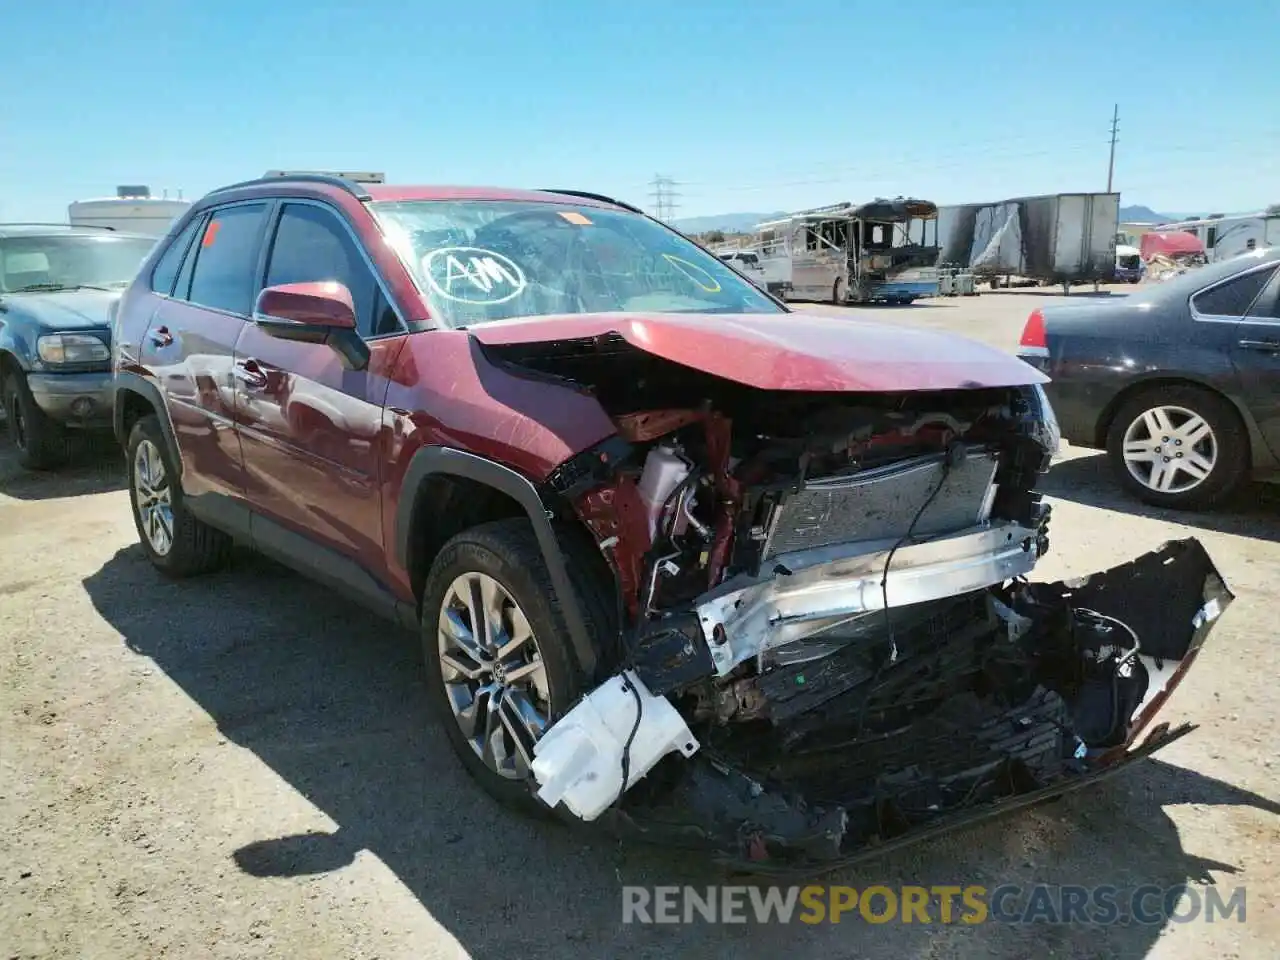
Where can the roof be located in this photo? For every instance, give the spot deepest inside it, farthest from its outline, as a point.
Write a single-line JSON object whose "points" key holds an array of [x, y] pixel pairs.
{"points": [[313, 185], [64, 230], [386, 192]]}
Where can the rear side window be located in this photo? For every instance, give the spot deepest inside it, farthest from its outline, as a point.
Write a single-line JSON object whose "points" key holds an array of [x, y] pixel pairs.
{"points": [[1232, 298], [170, 262], [227, 259]]}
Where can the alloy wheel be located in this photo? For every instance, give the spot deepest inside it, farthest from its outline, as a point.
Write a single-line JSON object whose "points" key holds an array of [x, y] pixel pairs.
{"points": [[494, 676], [1170, 449], [153, 497]]}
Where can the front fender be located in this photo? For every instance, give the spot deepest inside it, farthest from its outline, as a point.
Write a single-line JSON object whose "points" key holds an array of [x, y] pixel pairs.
{"points": [[431, 460], [17, 339]]}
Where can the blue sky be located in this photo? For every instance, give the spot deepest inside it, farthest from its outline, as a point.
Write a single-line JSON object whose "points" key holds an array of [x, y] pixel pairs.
{"points": [[749, 106]]}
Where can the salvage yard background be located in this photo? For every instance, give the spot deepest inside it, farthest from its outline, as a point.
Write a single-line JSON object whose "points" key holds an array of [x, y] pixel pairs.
{"points": [[243, 765]]}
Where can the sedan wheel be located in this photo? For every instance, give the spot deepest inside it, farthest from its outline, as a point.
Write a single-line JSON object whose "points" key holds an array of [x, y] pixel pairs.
{"points": [[494, 677], [1178, 446], [1170, 449]]}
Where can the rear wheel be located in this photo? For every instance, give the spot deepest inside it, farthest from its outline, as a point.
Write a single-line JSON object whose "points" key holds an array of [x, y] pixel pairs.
{"points": [[1178, 446], [175, 542], [499, 666], [40, 441]]}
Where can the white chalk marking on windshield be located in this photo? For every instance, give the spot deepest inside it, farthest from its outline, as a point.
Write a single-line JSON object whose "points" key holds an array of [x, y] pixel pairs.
{"points": [[473, 275], [692, 271]]}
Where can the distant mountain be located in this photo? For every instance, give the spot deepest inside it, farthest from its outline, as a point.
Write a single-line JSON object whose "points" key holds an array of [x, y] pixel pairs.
{"points": [[1140, 214], [724, 222]]}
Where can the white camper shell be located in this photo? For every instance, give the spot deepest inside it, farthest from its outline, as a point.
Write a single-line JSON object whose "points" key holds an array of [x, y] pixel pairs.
{"points": [[131, 210]]}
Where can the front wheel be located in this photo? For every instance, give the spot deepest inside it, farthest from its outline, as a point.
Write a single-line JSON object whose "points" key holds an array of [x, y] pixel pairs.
{"points": [[41, 442], [1180, 447], [499, 666], [175, 541]]}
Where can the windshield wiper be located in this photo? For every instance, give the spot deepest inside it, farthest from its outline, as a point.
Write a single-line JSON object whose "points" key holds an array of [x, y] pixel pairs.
{"points": [[54, 287]]}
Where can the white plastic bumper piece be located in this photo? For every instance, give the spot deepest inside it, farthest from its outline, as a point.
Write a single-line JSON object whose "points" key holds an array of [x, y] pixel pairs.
{"points": [[578, 761]]}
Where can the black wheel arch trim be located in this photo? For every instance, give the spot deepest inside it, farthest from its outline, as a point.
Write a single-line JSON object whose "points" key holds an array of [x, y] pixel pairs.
{"points": [[134, 383], [446, 460]]}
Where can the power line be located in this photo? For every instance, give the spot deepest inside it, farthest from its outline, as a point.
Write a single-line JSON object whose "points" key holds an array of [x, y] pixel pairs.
{"points": [[664, 196], [908, 166], [1115, 128]]}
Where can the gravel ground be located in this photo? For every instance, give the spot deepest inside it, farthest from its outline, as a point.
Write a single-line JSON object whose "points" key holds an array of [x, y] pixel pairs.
{"points": [[244, 766]]}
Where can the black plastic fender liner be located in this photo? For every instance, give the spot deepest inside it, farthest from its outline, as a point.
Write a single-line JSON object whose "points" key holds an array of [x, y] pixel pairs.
{"points": [[133, 383], [446, 460]]}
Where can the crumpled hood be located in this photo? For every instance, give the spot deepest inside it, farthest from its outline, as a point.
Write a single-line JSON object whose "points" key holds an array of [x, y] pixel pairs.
{"points": [[788, 351], [69, 310]]}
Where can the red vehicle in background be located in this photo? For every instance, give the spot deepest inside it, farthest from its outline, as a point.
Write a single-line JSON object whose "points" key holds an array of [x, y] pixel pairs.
{"points": [[1166, 254], [623, 494]]}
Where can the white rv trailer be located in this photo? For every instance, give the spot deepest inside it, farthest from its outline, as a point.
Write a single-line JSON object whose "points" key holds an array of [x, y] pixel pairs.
{"points": [[132, 209], [1224, 237], [848, 252]]}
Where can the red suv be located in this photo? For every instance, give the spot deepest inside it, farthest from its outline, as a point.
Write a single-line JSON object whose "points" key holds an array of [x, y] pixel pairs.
{"points": [[680, 557]]}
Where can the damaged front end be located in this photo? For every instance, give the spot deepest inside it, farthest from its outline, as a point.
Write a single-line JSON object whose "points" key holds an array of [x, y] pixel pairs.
{"points": [[829, 641]]}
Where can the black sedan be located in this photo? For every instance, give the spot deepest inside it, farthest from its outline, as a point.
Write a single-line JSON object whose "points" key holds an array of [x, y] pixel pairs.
{"points": [[1179, 381]]}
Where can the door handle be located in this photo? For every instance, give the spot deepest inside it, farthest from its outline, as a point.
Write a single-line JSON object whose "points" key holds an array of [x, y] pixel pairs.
{"points": [[248, 373], [160, 336], [1263, 346]]}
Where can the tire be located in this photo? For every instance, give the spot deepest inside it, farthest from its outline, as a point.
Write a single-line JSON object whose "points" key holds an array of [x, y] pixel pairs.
{"points": [[40, 441], [839, 295], [507, 553], [194, 547], [1222, 455]]}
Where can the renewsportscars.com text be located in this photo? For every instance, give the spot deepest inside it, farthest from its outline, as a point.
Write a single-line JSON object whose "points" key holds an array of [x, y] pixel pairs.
{"points": [[946, 904]]}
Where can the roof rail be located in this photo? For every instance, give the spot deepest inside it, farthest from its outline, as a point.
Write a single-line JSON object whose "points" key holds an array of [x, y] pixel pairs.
{"points": [[49, 223], [350, 186], [596, 196]]}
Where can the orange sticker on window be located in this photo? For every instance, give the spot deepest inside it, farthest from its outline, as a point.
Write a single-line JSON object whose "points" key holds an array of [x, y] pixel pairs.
{"points": [[573, 216], [210, 233]]}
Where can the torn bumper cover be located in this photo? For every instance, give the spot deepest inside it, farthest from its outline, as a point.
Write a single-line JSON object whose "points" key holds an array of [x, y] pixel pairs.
{"points": [[831, 727]]}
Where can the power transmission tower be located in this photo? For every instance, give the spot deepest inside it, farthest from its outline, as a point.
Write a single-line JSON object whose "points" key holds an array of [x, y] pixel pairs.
{"points": [[664, 196], [1115, 128]]}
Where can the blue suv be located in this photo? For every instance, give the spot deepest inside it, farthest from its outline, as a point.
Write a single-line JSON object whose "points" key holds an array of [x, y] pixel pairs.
{"points": [[58, 287]]}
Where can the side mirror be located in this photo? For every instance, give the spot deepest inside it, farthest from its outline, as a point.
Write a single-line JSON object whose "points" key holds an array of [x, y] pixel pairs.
{"points": [[321, 312]]}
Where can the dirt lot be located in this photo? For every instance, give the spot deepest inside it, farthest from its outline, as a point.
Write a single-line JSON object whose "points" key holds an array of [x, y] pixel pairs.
{"points": [[243, 766]]}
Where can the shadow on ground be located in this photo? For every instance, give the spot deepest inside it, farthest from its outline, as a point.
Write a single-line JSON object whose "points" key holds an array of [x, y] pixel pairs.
{"points": [[333, 702], [1086, 478], [94, 465]]}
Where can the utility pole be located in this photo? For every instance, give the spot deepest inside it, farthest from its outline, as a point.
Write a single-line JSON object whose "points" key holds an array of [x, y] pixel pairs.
{"points": [[1115, 128], [664, 196]]}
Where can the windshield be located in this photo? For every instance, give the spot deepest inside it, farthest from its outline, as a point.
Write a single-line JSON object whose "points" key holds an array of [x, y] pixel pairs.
{"points": [[65, 263], [481, 261]]}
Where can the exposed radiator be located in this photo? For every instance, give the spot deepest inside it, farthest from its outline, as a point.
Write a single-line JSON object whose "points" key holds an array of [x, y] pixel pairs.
{"points": [[879, 504]]}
